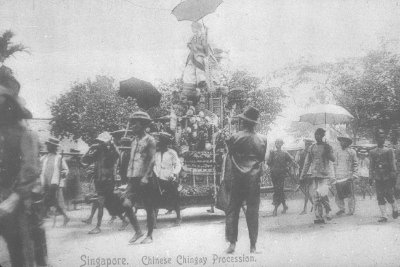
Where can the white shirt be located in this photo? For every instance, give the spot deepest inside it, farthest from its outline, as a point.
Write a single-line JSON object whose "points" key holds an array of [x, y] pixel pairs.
{"points": [[54, 165], [363, 167], [346, 163], [167, 164]]}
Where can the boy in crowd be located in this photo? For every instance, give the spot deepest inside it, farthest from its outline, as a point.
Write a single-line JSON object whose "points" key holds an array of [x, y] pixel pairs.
{"points": [[363, 173]]}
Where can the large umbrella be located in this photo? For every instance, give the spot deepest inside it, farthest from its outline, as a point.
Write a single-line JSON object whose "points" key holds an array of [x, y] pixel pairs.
{"points": [[194, 10], [326, 114], [145, 93]]}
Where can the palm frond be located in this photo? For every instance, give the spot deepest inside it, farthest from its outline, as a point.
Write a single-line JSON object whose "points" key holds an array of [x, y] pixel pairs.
{"points": [[5, 39], [7, 48], [15, 48], [7, 35]]}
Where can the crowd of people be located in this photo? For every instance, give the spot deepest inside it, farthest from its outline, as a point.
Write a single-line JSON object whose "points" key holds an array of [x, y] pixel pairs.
{"points": [[30, 186], [150, 175], [322, 169]]}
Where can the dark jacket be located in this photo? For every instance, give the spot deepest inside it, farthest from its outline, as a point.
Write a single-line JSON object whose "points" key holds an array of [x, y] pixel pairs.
{"points": [[104, 159], [382, 163], [19, 173], [19, 160], [247, 150], [318, 161]]}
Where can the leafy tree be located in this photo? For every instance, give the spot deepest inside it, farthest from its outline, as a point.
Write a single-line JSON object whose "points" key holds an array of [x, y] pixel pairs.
{"points": [[370, 90], [368, 87], [257, 92], [90, 108], [7, 48], [305, 84]]}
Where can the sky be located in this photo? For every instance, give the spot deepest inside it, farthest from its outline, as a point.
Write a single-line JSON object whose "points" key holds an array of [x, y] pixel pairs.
{"points": [[73, 40]]}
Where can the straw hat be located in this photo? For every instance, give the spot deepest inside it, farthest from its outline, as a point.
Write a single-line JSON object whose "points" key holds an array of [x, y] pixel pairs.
{"points": [[140, 115], [53, 141], [363, 152]]}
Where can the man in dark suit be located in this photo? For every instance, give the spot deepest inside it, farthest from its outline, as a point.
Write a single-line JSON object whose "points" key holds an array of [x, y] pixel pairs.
{"points": [[247, 151]]}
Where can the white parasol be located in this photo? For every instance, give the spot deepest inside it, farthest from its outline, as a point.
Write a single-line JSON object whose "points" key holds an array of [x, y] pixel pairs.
{"points": [[326, 114]]}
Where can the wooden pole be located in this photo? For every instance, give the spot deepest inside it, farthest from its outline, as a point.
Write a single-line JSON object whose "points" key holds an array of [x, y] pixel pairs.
{"points": [[214, 169], [127, 129]]}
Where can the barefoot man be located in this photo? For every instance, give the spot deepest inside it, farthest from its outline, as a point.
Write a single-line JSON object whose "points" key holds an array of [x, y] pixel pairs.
{"points": [[318, 161]]}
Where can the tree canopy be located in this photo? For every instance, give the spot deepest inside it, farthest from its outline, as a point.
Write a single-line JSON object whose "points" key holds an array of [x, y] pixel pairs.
{"points": [[370, 90], [90, 108], [259, 94], [169, 96], [368, 87]]}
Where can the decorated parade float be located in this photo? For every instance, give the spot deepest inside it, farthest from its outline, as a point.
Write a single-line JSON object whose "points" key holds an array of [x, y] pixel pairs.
{"points": [[196, 121], [199, 120], [200, 115]]}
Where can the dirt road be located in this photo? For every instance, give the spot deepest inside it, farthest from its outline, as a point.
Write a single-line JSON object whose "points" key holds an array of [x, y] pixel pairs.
{"points": [[286, 240]]}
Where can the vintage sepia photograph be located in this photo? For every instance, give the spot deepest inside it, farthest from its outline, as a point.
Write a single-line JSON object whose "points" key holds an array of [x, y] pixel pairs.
{"points": [[199, 133]]}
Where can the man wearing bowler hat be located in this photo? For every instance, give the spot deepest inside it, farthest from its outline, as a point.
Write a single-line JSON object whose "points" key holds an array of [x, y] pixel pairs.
{"points": [[19, 170], [140, 170], [54, 169], [346, 172], [247, 151]]}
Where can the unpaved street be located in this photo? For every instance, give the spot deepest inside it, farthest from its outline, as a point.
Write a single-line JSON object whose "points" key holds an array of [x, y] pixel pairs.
{"points": [[287, 240]]}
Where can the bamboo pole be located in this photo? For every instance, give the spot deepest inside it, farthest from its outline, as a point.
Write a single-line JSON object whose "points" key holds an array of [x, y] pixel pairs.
{"points": [[127, 129], [214, 169]]}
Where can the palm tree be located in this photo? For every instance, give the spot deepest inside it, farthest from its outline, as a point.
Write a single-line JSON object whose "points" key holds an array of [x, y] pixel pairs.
{"points": [[7, 48]]}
